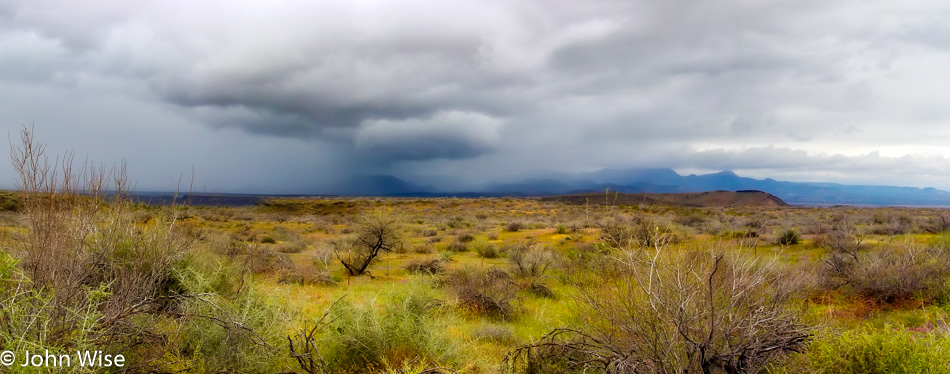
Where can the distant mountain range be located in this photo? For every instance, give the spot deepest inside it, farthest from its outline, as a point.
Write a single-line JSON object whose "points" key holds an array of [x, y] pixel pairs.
{"points": [[636, 180], [741, 198]]}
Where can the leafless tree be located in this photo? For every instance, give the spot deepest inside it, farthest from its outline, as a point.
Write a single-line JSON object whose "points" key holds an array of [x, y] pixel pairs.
{"points": [[375, 232]]}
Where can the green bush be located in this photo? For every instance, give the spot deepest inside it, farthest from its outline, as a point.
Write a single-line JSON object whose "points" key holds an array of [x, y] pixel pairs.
{"points": [[790, 237], [404, 329], [487, 250], [895, 350]]}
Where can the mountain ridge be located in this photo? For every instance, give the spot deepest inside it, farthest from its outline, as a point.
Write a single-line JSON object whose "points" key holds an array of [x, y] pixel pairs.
{"points": [[665, 180], [743, 198]]}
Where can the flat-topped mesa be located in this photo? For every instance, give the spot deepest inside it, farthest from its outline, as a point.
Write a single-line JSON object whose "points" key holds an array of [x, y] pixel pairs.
{"points": [[744, 198]]}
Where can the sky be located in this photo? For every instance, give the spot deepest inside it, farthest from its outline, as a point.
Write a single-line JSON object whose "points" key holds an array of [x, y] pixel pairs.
{"points": [[286, 96]]}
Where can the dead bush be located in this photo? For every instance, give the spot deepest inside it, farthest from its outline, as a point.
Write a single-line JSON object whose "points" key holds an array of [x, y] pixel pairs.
{"points": [[91, 272], [891, 273], [490, 292], [530, 258], [295, 246], [261, 259], [431, 266], [537, 288], [641, 233], [666, 311], [937, 224], [456, 247]]}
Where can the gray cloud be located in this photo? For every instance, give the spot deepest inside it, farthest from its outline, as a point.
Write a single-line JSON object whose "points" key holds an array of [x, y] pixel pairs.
{"points": [[501, 87], [448, 135]]}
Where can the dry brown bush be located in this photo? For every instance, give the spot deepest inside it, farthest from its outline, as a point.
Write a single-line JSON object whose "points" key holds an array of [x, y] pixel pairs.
{"points": [[889, 273], [530, 258], [430, 266], [488, 292], [669, 311]]}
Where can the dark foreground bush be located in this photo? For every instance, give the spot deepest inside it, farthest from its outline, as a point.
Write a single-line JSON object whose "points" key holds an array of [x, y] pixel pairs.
{"points": [[86, 272]]}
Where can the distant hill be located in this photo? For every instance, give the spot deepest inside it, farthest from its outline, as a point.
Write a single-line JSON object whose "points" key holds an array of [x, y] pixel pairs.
{"points": [[668, 181], [744, 198], [627, 181]]}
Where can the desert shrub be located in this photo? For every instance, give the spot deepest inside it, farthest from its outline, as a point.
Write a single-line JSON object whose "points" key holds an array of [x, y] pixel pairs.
{"points": [[295, 246], [218, 243], [755, 223], [488, 292], [537, 288], [493, 236], [892, 224], [487, 250], [534, 225], [423, 249], [890, 274], [268, 240], [641, 233], [261, 259], [239, 334], [890, 350], [456, 247], [560, 229], [789, 237], [404, 329], [430, 266], [457, 222], [84, 260], [86, 272], [530, 259], [695, 220], [10, 202], [937, 224], [672, 311], [514, 226], [465, 238], [842, 240]]}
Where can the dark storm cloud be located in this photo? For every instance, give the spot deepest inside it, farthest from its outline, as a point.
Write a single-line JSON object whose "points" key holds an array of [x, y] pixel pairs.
{"points": [[448, 135], [502, 86]]}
